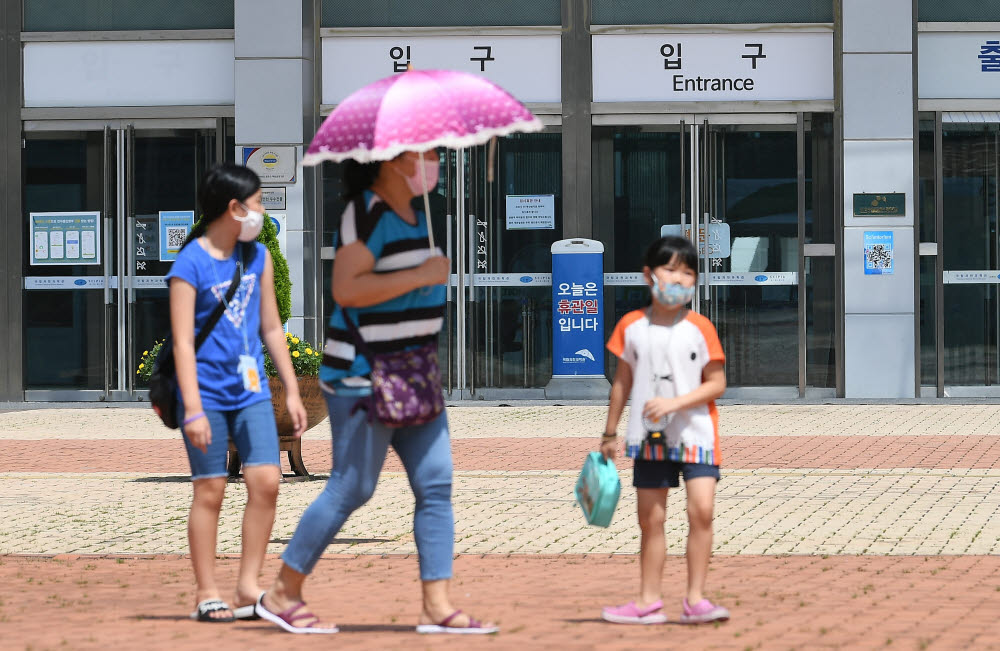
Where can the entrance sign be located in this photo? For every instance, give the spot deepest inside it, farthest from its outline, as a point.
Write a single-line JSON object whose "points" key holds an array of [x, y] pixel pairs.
{"points": [[528, 66], [878, 253], [673, 67], [65, 238], [577, 308], [272, 164], [174, 228], [960, 65], [717, 244], [890, 204], [531, 212]]}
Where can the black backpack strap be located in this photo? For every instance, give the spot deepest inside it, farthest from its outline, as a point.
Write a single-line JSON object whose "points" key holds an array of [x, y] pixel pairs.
{"points": [[248, 250]]}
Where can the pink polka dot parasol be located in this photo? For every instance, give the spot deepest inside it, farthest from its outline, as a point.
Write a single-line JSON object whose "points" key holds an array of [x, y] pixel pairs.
{"points": [[418, 110]]}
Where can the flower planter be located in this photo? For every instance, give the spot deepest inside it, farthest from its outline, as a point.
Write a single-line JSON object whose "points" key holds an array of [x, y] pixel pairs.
{"points": [[312, 400]]}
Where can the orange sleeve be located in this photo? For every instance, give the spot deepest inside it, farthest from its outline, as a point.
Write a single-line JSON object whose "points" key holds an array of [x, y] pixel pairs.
{"points": [[707, 330], [617, 342]]}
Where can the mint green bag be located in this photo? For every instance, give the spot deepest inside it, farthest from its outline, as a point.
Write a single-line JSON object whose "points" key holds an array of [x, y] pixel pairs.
{"points": [[597, 489]]}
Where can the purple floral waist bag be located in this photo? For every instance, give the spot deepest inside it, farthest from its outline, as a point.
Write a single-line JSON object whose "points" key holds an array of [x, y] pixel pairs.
{"points": [[406, 385]]}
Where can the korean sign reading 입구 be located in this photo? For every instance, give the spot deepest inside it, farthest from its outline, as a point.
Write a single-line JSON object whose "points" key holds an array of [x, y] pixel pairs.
{"points": [[736, 66], [531, 211], [65, 238], [526, 66]]}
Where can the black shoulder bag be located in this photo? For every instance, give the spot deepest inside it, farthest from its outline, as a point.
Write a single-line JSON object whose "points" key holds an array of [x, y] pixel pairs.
{"points": [[163, 379]]}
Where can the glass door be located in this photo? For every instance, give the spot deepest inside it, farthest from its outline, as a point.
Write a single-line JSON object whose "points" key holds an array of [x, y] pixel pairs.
{"points": [[96, 254], [968, 213], [744, 206], [501, 220], [756, 192]]}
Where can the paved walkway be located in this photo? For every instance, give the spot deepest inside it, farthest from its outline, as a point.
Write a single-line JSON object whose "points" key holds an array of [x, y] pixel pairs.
{"points": [[827, 516]]}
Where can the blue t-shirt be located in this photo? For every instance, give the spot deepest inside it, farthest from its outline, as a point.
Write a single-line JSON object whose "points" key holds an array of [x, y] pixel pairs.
{"points": [[219, 380], [405, 322]]}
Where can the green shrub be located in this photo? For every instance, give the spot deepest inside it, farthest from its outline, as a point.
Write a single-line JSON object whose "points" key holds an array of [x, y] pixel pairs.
{"points": [[282, 283]]}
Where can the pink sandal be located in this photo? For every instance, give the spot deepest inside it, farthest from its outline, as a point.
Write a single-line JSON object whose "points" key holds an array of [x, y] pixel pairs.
{"points": [[287, 619], [632, 614], [475, 627]]}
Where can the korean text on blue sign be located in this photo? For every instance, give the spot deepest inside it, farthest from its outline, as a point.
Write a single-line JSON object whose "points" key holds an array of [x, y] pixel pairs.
{"points": [[878, 253], [989, 56], [577, 314]]}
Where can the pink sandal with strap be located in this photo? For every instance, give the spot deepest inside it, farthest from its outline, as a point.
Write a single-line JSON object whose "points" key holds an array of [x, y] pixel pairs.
{"points": [[475, 627], [286, 619]]}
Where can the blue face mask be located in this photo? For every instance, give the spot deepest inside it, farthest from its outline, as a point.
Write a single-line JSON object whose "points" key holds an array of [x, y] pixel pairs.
{"points": [[671, 294]]}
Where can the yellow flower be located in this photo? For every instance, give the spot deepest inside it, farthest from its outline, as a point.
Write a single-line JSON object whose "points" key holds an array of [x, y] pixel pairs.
{"points": [[295, 353], [309, 351], [137, 372], [145, 352], [317, 353], [141, 366], [288, 335], [295, 340], [287, 346]]}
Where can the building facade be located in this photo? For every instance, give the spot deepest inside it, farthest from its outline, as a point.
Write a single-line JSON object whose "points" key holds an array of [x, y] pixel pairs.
{"points": [[837, 159]]}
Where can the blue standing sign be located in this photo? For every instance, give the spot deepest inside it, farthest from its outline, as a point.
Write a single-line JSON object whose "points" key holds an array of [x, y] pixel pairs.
{"points": [[577, 308]]}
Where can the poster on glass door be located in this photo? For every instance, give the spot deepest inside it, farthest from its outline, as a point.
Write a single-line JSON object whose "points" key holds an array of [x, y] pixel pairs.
{"points": [[531, 212], [65, 238], [174, 228]]}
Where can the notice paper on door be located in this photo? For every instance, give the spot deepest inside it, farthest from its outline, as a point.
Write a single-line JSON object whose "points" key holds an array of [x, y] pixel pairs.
{"points": [[65, 238]]}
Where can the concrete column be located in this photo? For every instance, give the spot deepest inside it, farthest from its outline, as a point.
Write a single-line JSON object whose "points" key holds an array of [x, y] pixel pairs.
{"points": [[277, 104], [577, 94], [11, 218], [878, 106]]}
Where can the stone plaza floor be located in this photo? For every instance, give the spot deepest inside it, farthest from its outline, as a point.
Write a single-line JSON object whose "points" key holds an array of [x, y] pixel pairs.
{"points": [[854, 526]]}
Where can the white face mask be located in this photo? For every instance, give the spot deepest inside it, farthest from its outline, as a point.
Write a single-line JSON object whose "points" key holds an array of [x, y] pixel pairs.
{"points": [[250, 225]]}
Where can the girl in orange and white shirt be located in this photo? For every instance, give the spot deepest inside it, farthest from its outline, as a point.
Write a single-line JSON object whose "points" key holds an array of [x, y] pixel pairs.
{"points": [[672, 367]]}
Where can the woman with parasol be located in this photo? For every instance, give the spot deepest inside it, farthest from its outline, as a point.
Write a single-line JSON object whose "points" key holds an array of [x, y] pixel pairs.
{"points": [[380, 373]]}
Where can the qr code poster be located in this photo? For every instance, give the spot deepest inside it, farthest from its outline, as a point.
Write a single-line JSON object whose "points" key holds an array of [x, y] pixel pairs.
{"points": [[174, 228], [878, 253]]}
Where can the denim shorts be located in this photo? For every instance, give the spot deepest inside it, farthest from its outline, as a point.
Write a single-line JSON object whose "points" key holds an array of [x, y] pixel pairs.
{"points": [[253, 431], [665, 474]]}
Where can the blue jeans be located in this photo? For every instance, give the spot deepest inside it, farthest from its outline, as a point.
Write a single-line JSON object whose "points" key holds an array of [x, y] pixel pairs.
{"points": [[359, 449], [252, 430]]}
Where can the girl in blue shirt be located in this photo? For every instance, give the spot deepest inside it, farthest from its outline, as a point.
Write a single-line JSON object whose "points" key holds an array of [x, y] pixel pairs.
{"points": [[223, 388]]}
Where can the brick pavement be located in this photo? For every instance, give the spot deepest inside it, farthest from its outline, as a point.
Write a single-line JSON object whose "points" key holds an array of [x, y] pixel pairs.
{"points": [[890, 515], [540, 453], [540, 602]]}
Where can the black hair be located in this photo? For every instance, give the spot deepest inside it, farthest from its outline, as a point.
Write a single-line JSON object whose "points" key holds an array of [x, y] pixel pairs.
{"points": [[357, 177], [666, 249], [221, 184]]}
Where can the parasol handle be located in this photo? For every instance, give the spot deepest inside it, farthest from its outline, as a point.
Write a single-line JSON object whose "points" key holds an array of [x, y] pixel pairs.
{"points": [[427, 202]]}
